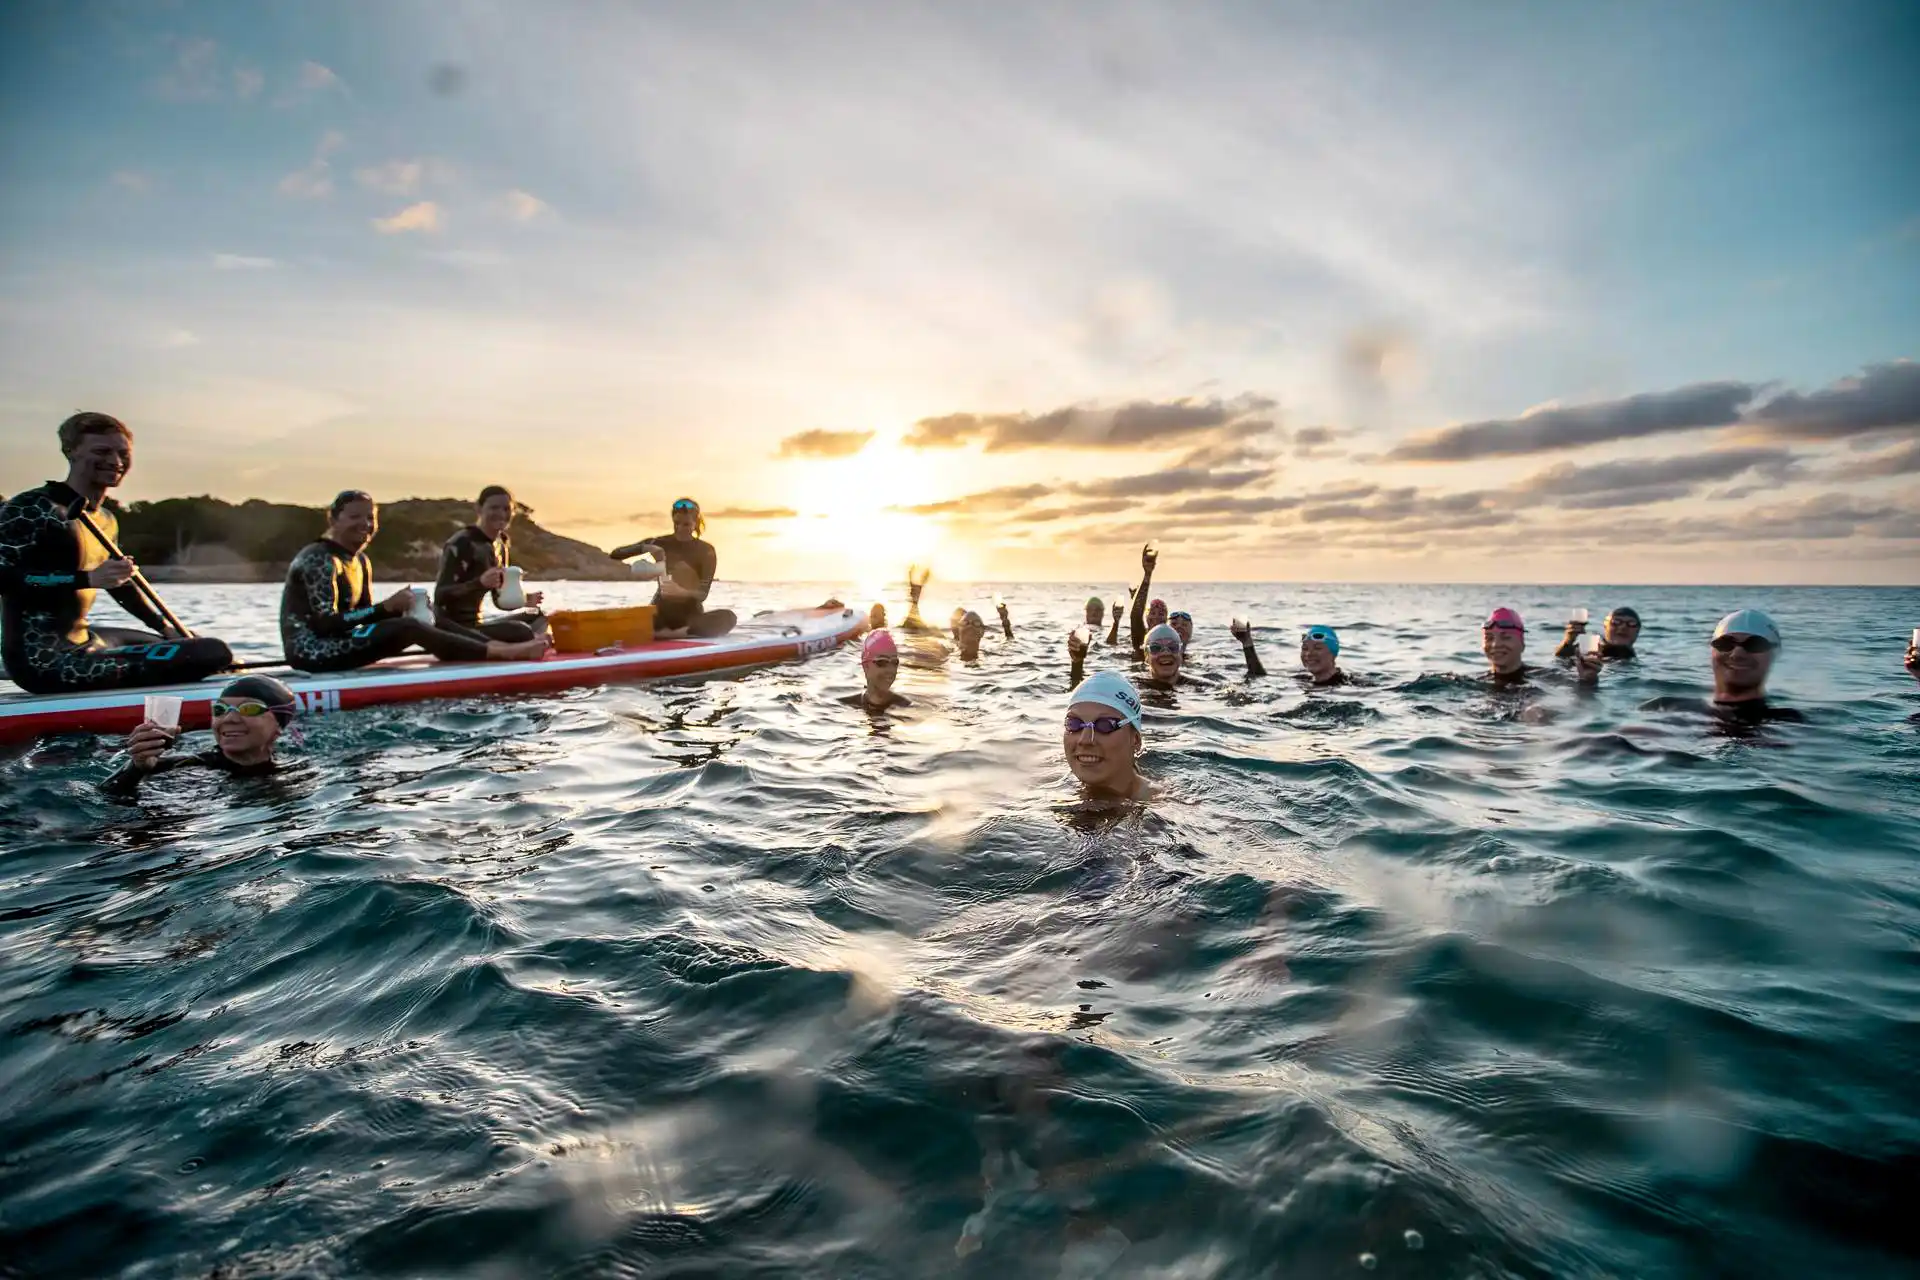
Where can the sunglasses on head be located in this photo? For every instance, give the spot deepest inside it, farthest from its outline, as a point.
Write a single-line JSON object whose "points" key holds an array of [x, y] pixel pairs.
{"points": [[1102, 725], [686, 504], [247, 709], [1752, 644]]}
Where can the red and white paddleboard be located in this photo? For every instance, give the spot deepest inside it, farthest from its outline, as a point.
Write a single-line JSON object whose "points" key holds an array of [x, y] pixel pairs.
{"points": [[757, 642]]}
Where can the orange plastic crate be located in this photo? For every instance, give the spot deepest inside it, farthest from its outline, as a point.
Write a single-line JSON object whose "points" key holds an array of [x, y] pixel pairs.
{"points": [[588, 630]]}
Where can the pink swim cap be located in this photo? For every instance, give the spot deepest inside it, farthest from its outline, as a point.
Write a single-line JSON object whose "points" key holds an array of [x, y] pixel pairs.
{"points": [[1505, 618], [878, 643]]}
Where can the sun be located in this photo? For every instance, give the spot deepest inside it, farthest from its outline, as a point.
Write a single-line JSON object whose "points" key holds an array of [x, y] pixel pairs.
{"points": [[851, 524]]}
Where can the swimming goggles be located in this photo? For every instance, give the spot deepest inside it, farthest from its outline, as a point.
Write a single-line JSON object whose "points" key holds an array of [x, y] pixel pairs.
{"points": [[1752, 644], [247, 709], [885, 660], [1163, 647], [1102, 725], [1504, 626], [1178, 614]]}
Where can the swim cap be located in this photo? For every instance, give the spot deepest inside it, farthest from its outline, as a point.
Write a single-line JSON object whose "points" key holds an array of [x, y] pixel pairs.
{"points": [[1750, 622], [1160, 635], [1095, 602], [1506, 618], [267, 691], [877, 644], [1325, 635], [973, 619], [1179, 613], [1109, 689], [1160, 605], [1625, 611]]}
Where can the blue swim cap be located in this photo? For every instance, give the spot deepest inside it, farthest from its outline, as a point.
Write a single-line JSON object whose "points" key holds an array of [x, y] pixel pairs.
{"points": [[1325, 635]]}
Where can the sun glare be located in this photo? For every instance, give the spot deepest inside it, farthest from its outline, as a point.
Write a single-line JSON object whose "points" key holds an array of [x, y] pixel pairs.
{"points": [[849, 523]]}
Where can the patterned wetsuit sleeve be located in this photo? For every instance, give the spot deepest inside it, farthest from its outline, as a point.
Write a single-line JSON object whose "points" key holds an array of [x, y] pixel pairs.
{"points": [[24, 525], [128, 597], [458, 588], [319, 580]]}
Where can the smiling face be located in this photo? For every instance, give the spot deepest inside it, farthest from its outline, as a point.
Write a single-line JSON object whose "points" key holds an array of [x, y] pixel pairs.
{"points": [[1503, 647], [1183, 623], [968, 633], [100, 461], [246, 739], [1163, 660], [1096, 613], [1622, 630], [1317, 658], [1103, 761], [686, 521], [496, 514], [881, 670], [354, 525], [1156, 613], [1739, 672]]}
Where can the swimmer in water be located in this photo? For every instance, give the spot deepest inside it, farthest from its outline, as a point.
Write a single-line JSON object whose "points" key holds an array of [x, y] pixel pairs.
{"points": [[1138, 618], [1503, 638], [1097, 613], [247, 719], [679, 602], [52, 566], [1319, 654], [1617, 636], [877, 616], [1102, 740], [1182, 622], [880, 665], [329, 622], [1006, 621], [968, 631], [1165, 656], [473, 563], [1743, 649], [1113, 633], [1913, 655]]}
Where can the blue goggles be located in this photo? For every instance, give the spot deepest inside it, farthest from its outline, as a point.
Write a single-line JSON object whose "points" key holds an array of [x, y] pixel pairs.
{"points": [[1325, 635]]}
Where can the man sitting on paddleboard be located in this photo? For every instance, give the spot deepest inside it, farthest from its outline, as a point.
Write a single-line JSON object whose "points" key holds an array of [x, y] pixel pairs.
{"points": [[329, 622], [51, 566], [679, 602], [247, 719], [473, 563]]}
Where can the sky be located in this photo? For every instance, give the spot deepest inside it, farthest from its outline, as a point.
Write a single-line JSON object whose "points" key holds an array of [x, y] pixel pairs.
{"points": [[1360, 292]]}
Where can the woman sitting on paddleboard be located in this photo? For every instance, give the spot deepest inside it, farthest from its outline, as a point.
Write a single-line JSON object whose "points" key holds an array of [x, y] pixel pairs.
{"points": [[679, 602], [473, 563], [329, 622]]}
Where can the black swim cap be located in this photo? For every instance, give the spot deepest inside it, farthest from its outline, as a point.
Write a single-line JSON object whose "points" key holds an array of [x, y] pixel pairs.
{"points": [[276, 697]]}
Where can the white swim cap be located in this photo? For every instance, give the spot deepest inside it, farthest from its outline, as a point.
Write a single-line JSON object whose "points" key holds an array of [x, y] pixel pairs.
{"points": [[1161, 634], [1750, 622], [1109, 689]]}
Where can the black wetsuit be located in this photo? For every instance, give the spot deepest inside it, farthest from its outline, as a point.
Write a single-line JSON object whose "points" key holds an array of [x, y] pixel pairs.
{"points": [[1751, 713], [860, 700], [692, 563], [126, 781], [328, 621], [45, 640], [457, 592]]}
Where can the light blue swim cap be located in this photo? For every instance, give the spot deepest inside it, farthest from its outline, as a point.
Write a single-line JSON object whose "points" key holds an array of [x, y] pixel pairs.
{"points": [[1325, 635], [1110, 689], [1750, 622], [1160, 635]]}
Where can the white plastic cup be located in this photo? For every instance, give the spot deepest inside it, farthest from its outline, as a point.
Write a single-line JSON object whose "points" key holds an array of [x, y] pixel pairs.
{"points": [[164, 710], [1589, 645], [421, 610], [998, 603], [1240, 624], [1916, 638], [647, 569], [1578, 615], [511, 594]]}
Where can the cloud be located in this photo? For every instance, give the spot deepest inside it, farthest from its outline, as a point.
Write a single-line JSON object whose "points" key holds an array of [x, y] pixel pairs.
{"points": [[194, 75], [1222, 504], [395, 177], [241, 262], [177, 338], [1248, 442], [1901, 461], [1704, 404], [524, 206], [247, 83], [824, 444], [315, 77], [1883, 397], [315, 181], [128, 180], [1315, 442], [1005, 498], [1141, 424], [754, 513], [1172, 480], [424, 216], [1686, 471]]}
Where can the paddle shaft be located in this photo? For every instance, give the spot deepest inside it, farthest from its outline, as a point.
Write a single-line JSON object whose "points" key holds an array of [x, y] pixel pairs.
{"points": [[139, 579]]}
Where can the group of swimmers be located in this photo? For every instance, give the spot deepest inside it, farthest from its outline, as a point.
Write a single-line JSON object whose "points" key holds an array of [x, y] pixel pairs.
{"points": [[58, 549]]}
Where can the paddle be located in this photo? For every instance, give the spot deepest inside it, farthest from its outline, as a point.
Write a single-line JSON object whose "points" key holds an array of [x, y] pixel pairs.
{"points": [[78, 511]]}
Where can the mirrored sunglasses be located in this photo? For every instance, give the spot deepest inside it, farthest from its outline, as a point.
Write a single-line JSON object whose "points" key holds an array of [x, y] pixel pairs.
{"points": [[247, 709], [1752, 644]]}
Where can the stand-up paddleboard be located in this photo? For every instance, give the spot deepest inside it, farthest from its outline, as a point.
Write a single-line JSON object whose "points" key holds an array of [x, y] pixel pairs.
{"points": [[758, 642]]}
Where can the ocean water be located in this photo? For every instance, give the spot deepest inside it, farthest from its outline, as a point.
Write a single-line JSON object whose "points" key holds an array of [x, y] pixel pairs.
{"points": [[725, 979]]}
